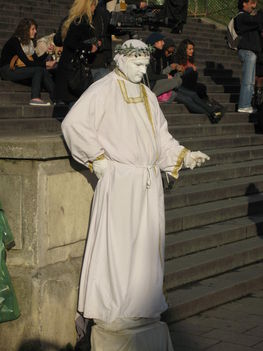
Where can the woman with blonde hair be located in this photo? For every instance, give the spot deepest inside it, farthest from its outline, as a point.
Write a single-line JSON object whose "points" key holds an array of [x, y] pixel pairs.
{"points": [[82, 31]]}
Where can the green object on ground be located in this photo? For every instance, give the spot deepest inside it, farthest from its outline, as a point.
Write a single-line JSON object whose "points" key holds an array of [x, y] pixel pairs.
{"points": [[9, 309]]}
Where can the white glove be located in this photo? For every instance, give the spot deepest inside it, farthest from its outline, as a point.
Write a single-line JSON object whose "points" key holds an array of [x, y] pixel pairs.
{"points": [[195, 158], [99, 167]]}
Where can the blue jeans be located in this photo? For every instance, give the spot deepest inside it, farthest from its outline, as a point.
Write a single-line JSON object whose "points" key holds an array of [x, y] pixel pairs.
{"points": [[39, 76], [99, 73], [248, 59]]}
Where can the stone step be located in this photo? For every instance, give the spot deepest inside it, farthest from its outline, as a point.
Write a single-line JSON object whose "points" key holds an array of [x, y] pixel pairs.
{"points": [[208, 143], [211, 236], [188, 217], [199, 40], [34, 10], [11, 87], [231, 88], [210, 33], [180, 132], [219, 80], [180, 108], [38, 7], [25, 111], [7, 86], [175, 119], [30, 124], [215, 59], [175, 113], [211, 262], [224, 97], [39, 3], [223, 73], [226, 155], [8, 28], [33, 145], [208, 63], [209, 192], [8, 24], [210, 67], [201, 296], [18, 97], [197, 24]]}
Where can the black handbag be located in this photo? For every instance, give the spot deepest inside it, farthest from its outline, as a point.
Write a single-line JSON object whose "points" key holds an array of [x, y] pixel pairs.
{"points": [[81, 76]]}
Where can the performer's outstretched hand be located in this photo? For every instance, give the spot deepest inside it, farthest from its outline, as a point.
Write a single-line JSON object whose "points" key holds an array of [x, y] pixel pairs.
{"points": [[99, 167], [195, 158]]}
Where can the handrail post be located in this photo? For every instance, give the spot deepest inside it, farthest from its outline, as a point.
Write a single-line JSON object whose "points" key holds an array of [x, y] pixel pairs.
{"points": [[206, 7]]}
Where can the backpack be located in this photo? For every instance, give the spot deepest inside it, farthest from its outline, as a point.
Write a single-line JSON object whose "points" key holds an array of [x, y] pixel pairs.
{"points": [[232, 37]]}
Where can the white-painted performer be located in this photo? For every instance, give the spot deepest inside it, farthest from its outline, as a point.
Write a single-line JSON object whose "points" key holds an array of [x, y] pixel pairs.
{"points": [[118, 127]]}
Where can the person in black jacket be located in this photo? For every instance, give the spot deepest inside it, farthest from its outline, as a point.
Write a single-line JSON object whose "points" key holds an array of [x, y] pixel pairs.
{"points": [[85, 29], [160, 82], [19, 62], [248, 28], [174, 13]]}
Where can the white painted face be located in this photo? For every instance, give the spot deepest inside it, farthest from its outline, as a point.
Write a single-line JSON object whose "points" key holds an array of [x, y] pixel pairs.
{"points": [[136, 68]]}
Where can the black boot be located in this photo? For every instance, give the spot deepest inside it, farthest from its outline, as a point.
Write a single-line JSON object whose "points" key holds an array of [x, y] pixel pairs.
{"points": [[258, 97]]}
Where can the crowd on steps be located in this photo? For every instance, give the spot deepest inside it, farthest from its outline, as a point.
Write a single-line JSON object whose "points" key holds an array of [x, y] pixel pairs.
{"points": [[84, 39]]}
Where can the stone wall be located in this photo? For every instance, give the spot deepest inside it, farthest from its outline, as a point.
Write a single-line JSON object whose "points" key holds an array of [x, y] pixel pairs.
{"points": [[47, 199]]}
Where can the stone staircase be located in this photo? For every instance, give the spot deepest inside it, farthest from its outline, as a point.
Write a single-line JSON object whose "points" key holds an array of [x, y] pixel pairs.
{"points": [[214, 214]]}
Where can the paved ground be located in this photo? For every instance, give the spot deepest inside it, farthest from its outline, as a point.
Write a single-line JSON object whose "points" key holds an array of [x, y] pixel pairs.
{"points": [[236, 326]]}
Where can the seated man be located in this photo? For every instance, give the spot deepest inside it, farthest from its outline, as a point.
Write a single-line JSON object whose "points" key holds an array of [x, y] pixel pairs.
{"points": [[169, 58], [160, 82]]}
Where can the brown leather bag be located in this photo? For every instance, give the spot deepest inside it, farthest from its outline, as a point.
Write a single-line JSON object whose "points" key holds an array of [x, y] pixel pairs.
{"points": [[16, 62]]}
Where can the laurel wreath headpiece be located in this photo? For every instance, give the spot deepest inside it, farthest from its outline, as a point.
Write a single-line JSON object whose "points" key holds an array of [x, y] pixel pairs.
{"points": [[133, 51]]}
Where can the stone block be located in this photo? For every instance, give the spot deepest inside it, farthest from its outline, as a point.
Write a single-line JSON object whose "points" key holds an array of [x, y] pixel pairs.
{"points": [[68, 205], [64, 204], [47, 300]]}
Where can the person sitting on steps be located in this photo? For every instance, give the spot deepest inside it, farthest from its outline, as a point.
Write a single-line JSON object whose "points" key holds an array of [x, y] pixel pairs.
{"points": [[191, 93], [19, 62], [159, 82]]}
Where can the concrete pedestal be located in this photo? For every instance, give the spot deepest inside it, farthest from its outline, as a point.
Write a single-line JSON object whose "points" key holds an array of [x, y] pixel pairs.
{"points": [[47, 200], [131, 335]]}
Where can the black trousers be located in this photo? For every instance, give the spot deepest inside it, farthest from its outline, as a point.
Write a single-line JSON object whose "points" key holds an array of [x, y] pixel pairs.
{"points": [[176, 11], [39, 77], [192, 101]]}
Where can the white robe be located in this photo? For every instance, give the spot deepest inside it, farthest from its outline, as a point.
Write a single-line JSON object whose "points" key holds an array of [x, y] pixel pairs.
{"points": [[122, 274]]}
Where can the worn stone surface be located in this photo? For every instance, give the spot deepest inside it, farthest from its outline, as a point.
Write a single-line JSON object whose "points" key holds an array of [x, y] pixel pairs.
{"points": [[235, 326], [49, 218], [11, 199], [48, 300], [31, 146], [63, 211]]}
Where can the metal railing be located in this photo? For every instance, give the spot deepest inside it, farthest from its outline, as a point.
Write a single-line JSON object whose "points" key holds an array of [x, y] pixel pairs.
{"points": [[219, 10]]}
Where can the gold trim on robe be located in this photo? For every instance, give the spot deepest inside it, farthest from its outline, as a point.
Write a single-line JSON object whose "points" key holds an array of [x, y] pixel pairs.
{"points": [[179, 162], [130, 100]]}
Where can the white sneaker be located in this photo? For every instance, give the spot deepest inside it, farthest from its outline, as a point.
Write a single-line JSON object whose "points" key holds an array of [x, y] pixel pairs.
{"points": [[38, 102], [247, 109]]}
